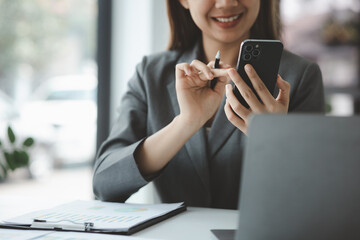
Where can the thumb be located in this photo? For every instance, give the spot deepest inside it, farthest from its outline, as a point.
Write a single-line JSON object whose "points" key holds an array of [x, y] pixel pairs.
{"points": [[284, 93]]}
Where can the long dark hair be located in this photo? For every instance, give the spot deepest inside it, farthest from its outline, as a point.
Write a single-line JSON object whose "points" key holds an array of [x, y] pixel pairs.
{"points": [[184, 33]]}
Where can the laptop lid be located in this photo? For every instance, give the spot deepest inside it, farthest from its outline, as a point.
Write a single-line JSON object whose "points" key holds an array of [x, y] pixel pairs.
{"points": [[301, 178]]}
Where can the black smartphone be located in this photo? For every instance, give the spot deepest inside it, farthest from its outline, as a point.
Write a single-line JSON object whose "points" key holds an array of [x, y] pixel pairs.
{"points": [[264, 56]]}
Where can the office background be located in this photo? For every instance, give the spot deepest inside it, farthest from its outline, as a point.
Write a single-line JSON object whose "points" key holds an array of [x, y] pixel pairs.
{"points": [[64, 66]]}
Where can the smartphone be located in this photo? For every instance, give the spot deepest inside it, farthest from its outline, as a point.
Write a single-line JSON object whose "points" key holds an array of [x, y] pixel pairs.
{"points": [[264, 56]]}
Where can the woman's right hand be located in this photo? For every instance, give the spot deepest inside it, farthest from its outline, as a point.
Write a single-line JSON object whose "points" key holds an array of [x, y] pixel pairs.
{"points": [[197, 101]]}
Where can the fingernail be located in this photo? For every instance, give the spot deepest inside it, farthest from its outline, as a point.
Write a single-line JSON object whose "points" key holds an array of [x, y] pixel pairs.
{"points": [[227, 88], [231, 72], [248, 68], [211, 75]]}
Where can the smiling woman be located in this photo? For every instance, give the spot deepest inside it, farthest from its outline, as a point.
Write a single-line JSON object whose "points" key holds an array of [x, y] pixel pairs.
{"points": [[177, 131]]}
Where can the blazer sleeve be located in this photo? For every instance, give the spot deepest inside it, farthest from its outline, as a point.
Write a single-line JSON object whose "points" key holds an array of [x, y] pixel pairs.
{"points": [[116, 175], [309, 93]]}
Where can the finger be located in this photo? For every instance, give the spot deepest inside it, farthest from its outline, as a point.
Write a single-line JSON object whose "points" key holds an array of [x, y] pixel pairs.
{"points": [[203, 69], [211, 64], [222, 79], [183, 69], [236, 106], [235, 120], [259, 86], [220, 73], [284, 93], [246, 91], [222, 65]]}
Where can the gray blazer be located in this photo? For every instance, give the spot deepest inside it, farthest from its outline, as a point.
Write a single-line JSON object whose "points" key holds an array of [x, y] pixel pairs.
{"points": [[206, 171]]}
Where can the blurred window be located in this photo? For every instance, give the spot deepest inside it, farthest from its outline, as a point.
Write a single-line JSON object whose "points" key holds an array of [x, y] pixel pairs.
{"points": [[43, 42], [328, 32], [72, 95]]}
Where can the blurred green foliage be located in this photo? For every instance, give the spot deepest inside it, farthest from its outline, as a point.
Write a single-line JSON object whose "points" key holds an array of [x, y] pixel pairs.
{"points": [[14, 156]]}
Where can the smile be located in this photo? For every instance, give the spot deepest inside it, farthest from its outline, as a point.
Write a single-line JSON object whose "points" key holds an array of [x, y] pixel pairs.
{"points": [[228, 19]]}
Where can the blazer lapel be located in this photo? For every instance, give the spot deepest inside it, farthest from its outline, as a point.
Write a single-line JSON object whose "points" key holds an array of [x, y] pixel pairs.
{"points": [[220, 131]]}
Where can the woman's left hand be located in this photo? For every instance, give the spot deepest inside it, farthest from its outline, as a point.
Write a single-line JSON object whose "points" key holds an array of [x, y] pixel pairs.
{"points": [[268, 105]]}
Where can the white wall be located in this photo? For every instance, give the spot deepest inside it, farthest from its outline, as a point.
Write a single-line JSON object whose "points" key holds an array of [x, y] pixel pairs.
{"points": [[140, 27]]}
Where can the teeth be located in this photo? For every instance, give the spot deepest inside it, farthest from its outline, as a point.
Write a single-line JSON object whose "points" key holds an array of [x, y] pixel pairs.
{"points": [[230, 19]]}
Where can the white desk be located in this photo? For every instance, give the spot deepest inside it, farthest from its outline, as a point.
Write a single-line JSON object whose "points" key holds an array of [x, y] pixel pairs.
{"points": [[195, 223]]}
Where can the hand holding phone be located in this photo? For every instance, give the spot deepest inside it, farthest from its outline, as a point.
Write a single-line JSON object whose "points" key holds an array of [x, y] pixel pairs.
{"points": [[262, 60], [264, 56]]}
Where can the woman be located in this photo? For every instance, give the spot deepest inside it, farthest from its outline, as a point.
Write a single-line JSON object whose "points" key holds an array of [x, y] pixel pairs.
{"points": [[161, 134]]}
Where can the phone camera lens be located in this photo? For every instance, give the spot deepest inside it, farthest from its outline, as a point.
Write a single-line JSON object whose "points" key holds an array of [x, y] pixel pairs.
{"points": [[247, 57], [256, 53], [248, 48]]}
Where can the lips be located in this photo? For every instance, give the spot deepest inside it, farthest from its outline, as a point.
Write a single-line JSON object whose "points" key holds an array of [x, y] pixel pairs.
{"points": [[227, 21]]}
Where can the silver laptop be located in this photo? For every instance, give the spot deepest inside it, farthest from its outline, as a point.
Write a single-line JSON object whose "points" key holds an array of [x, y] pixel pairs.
{"points": [[301, 178]]}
